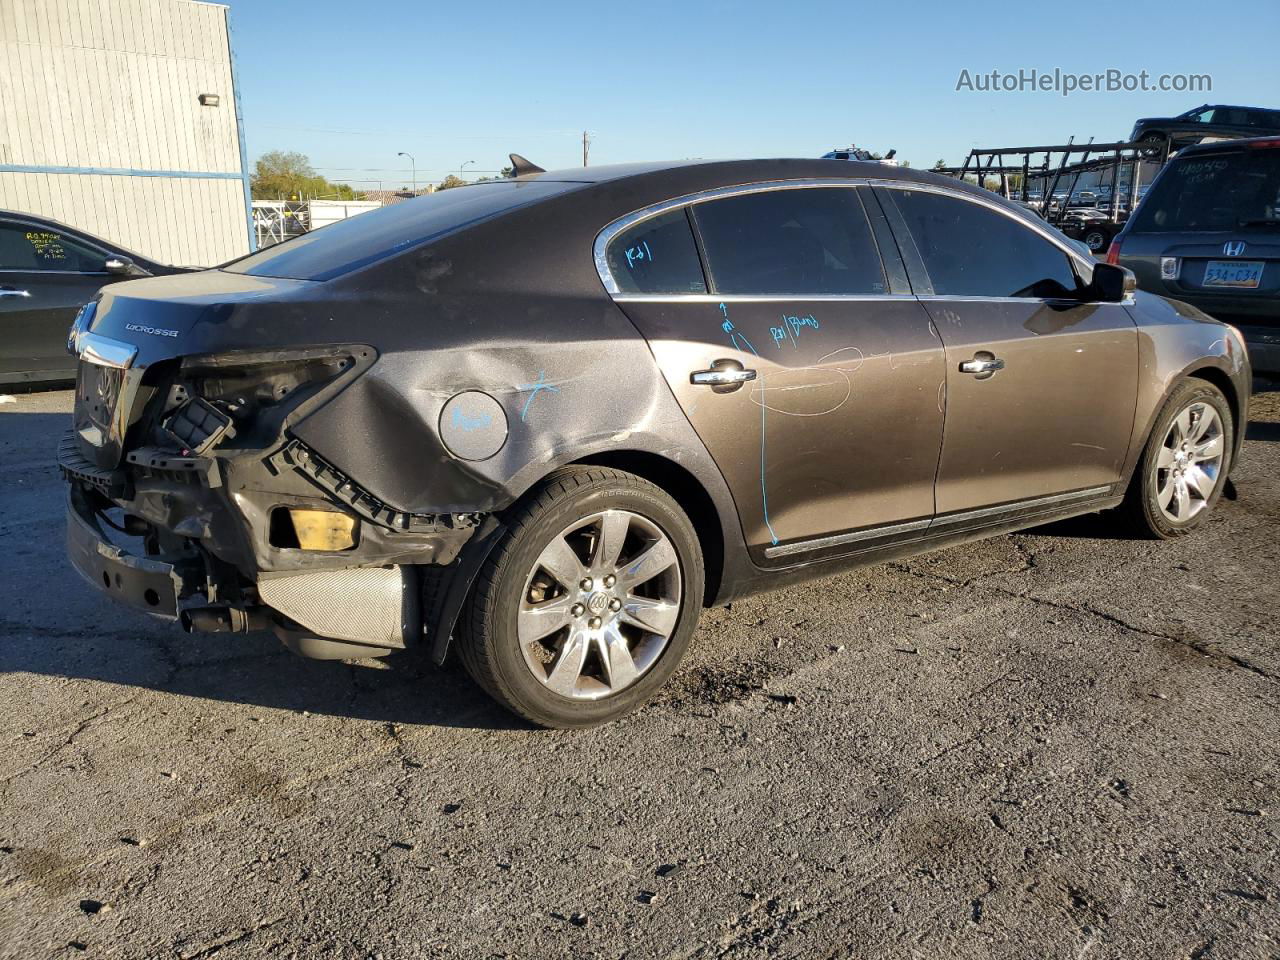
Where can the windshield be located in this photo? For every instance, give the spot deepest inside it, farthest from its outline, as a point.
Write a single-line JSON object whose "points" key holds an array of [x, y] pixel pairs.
{"points": [[1214, 191], [369, 237]]}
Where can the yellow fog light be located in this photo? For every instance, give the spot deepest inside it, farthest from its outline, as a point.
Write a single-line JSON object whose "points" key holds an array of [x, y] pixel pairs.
{"points": [[323, 529]]}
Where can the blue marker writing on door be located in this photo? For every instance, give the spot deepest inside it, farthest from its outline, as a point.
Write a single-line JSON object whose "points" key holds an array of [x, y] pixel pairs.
{"points": [[534, 389], [791, 329], [728, 327], [463, 422]]}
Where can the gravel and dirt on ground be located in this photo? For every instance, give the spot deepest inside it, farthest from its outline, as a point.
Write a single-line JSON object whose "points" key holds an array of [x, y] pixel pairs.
{"points": [[1056, 744]]}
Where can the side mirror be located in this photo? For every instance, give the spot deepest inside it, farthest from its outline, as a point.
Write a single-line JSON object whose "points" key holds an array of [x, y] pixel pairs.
{"points": [[1111, 283], [121, 267]]}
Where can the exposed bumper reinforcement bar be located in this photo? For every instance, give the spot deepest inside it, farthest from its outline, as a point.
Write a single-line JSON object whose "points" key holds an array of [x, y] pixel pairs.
{"points": [[146, 584]]}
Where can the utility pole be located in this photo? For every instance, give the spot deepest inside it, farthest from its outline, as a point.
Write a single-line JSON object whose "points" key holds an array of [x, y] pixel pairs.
{"points": [[414, 167], [586, 146]]}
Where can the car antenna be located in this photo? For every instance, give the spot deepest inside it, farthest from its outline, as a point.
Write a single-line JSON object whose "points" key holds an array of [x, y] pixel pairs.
{"points": [[520, 166]]}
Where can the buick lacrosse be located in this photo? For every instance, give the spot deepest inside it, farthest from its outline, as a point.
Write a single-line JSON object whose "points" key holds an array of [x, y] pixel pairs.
{"points": [[545, 420]]}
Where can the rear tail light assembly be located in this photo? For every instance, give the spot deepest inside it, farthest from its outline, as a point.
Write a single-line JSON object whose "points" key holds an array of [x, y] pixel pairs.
{"points": [[1113, 251]]}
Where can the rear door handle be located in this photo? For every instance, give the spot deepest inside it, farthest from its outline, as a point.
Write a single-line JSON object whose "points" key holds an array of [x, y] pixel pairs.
{"points": [[983, 364], [10, 292], [724, 376]]}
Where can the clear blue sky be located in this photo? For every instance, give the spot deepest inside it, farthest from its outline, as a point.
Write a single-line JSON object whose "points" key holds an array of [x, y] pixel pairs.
{"points": [[352, 84]]}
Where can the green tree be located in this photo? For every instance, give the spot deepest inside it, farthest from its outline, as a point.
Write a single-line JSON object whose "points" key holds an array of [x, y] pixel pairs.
{"points": [[940, 165], [451, 181], [288, 175]]}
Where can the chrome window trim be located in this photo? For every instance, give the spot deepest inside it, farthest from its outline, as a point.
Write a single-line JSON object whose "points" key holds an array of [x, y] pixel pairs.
{"points": [[611, 230], [1039, 228], [105, 352]]}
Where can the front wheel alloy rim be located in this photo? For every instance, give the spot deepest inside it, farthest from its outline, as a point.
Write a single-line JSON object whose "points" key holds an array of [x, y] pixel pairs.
{"points": [[600, 605], [1189, 462]]}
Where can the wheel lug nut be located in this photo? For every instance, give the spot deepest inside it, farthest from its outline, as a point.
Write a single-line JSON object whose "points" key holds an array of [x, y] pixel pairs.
{"points": [[576, 609], [615, 604], [594, 623], [586, 583], [610, 580]]}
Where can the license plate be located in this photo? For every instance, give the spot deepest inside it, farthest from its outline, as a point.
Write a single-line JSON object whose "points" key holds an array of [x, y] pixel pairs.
{"points": [[1233, 273]]}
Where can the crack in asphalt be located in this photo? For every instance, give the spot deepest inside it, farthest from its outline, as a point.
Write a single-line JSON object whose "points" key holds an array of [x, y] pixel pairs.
{"points": [[1199, 646]]}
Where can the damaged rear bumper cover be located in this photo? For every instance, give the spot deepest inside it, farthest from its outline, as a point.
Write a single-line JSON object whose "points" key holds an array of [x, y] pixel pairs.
{"points": [[207, 576]]}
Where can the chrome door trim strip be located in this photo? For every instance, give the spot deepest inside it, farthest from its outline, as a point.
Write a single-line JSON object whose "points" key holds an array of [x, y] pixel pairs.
{"points": [[873, 533], [1017, 506], [611, 230], [840, 539], [105, 352], [756, 297]]}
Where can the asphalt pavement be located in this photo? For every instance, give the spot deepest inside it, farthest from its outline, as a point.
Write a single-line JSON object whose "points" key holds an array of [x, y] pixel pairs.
{"points": [[1056, 744]]}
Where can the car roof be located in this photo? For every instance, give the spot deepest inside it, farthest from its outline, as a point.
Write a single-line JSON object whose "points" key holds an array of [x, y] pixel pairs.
{"points": [[744, 171], [1213, 145]]}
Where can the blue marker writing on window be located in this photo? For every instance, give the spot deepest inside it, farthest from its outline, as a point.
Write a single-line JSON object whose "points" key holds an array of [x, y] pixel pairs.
{"points": [[641, 252]]}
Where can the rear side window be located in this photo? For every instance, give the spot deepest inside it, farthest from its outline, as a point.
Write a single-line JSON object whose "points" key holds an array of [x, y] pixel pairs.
{"points": [[809, 240], [34, 248], [1214, 191], [657, 256], [369, 237], [971, 251]]}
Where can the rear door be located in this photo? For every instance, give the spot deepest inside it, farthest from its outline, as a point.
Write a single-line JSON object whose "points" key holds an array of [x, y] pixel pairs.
{"points": [[1040, 387], [45, 277], [827, 424]]}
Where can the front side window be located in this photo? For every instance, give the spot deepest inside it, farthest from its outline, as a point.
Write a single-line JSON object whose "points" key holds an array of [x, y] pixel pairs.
{"points": [[803, 241], [657, 255], [29, 247], [969, 250]]}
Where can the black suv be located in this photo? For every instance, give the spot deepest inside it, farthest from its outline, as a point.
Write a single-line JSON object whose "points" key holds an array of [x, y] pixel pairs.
{"points": [[1207, 121], [1208, 232]]}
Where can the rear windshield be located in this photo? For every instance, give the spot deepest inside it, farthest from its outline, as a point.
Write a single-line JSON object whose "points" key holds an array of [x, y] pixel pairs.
{"points": [[369, 237], [1214, 191]]}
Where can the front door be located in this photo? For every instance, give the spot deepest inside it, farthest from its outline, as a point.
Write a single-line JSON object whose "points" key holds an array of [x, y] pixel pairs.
{"points": [[45, 277], [814, 384], [1041, 388]]}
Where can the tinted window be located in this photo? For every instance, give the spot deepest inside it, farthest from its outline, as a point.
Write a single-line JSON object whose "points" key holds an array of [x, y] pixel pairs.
{"points": [[29, 247], [657, 256], [369, 237], [972, 251], [1222, 191], [799, 241]]}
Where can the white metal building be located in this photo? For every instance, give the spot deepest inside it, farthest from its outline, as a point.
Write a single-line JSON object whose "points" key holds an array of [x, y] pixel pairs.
{"points": [[122, 118]]}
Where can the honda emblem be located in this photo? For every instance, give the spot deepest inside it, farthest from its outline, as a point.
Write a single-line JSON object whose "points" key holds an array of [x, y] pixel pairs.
{"points": [[1233, 248]]}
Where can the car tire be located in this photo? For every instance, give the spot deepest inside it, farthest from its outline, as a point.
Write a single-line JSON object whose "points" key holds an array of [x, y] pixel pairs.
{"points": [[1184, 464], [620, 630], [1156, 141], [1096, 239]]}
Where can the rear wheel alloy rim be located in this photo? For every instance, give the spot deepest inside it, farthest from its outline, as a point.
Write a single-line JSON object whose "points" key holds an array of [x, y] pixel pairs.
{"points": [[1189, 461], [600, 605]]}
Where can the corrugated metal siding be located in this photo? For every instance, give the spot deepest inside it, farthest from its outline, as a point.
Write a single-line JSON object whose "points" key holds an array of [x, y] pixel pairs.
{"points": [[114, 84]]}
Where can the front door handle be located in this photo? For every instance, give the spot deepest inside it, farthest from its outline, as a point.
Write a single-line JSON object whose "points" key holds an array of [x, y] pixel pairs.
{"points": [[983, 364], [11, 292], [724, 376]]}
